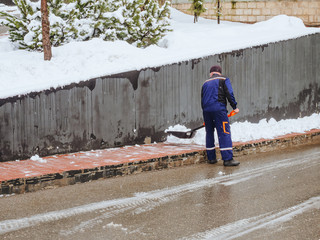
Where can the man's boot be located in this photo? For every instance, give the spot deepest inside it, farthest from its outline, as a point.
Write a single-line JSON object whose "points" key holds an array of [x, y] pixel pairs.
{"points": [[231, 163], [212, 161]]}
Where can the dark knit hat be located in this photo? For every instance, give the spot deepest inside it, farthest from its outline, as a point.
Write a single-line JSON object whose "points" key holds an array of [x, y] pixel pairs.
{"points": [[215, 68]]}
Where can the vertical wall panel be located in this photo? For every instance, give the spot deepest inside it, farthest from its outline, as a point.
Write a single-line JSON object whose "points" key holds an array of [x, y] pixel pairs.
{"points": [[279, 80]]}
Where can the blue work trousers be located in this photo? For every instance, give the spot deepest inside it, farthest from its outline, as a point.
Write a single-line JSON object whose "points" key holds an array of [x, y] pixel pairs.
{"points": [[218, 120]]}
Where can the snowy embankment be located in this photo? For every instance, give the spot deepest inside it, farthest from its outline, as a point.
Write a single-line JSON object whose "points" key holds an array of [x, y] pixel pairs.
{"points": [[246, 131], [22, 72]]}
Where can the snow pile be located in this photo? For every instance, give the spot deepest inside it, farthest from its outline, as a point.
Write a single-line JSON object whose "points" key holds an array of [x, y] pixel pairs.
{"points": [[246, 131], [10, 9], [78, 61], [36, 158]]}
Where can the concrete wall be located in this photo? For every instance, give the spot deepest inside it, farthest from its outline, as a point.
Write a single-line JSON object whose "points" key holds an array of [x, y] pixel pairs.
{"points": [[251, 11], [280, 80]]}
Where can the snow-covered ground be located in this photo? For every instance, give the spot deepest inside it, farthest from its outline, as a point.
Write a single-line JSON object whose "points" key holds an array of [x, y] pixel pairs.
{"points": [[77, 61], [9, 9], [246, 131], [22, 72]]}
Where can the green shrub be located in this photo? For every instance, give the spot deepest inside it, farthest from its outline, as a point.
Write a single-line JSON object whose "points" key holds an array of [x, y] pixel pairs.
{"points": [[139, 22]]}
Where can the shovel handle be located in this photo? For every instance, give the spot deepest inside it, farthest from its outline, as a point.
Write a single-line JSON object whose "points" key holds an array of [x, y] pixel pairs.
{"points": [[197, 128], [232, 113]]}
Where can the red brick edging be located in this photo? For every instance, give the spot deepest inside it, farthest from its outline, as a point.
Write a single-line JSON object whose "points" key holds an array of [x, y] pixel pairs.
{"points": [[168, 156]]}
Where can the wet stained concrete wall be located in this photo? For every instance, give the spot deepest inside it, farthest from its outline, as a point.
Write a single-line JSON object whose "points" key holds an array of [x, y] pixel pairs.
{"points": [[279, 80]]}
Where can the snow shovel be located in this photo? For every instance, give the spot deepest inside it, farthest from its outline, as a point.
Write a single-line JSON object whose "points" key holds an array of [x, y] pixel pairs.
{"points": [[192, 132], [188, 134]]}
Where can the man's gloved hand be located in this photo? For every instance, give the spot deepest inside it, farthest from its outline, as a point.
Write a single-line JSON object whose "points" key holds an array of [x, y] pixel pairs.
{"points": [[233, 112]]}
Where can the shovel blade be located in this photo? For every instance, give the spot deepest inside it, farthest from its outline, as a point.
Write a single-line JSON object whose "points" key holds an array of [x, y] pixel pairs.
{"points": [[178, 134]]}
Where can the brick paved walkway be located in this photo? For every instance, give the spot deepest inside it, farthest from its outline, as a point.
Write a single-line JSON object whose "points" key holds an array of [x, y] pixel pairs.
{"points": [[18, 176], [92, 159]]}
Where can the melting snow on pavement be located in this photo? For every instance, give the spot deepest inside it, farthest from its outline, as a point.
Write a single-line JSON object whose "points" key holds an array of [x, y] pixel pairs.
{"points": [[142, 202]]}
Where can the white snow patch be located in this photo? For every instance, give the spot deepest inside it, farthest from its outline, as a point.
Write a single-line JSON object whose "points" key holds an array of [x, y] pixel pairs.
{"points": [[38, 159], [114, 225], [246, 131]]}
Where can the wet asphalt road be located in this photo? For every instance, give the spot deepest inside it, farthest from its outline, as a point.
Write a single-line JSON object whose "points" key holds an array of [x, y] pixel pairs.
{"points": [[269, 196]]}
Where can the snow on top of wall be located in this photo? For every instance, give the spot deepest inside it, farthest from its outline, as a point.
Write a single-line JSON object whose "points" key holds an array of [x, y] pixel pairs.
{"points": [[22, 72]]}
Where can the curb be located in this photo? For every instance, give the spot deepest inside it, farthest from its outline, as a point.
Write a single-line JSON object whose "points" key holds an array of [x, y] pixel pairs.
{"points": [[54, 180], [22, 185], [282, 142]]}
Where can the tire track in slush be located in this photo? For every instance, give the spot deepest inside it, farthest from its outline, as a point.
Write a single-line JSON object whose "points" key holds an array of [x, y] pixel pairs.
{"points": [[159, 197], [248, 225], [146, 201]]}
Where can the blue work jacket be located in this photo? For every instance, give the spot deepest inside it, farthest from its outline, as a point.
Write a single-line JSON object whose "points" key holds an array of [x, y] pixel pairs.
{"points": [[215, 92]]}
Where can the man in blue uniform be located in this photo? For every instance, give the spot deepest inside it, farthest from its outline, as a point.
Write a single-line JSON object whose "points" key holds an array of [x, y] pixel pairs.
{"points": [[214, 95]]}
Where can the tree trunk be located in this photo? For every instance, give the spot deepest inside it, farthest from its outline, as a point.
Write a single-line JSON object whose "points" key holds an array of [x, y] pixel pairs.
{"points": [[219, 12], [161, 2], [195, 19], [45, 31]]}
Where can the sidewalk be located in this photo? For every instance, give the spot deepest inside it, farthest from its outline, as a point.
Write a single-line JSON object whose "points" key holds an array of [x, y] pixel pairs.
{"points": [[66, 169]]}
